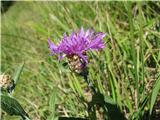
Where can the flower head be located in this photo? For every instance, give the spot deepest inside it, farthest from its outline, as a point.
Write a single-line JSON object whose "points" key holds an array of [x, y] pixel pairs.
{"points": [[77, 44]]}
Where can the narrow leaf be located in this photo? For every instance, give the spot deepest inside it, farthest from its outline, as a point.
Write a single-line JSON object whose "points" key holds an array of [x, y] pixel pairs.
{"points": [[155, 92], [18, 73], [52, 103]]}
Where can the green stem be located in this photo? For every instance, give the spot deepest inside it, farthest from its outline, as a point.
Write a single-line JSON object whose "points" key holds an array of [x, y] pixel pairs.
{"points": [[89, 82], [134, 54]]}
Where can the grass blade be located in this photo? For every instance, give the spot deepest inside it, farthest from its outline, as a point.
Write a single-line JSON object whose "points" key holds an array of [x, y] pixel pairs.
{"points": [[52, 103], [155, 92], [18, 73]]}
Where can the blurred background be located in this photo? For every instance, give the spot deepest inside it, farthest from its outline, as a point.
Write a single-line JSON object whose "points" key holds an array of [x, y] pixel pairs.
{"points": [[125, 71]]}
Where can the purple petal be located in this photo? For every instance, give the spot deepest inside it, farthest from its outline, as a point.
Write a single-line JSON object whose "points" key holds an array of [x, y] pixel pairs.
{"points": [[52, 47], [84, 57], [97, 42], [77, 43]]}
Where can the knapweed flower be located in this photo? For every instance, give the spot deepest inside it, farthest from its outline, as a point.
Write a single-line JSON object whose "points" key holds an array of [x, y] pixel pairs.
{"points": [[75, 46]]}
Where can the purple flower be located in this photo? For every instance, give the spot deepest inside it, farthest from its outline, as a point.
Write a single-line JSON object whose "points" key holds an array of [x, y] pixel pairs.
{"points": [[75, 47], [78, 43]]}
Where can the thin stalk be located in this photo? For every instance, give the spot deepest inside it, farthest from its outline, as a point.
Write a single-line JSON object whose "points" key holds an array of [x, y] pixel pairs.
{"points": [[89, 82], [130, 17], [141, 44]]}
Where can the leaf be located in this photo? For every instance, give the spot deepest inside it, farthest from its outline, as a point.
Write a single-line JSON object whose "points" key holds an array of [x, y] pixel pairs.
{"points": [[12, 106], [111, 108], [114, 112], [71, 118], [155, 92], [52, 103], [109, 100], [18, 73]]}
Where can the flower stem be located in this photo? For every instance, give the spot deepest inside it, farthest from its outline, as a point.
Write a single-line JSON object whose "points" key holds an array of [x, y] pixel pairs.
{"points": [[89, 82]]}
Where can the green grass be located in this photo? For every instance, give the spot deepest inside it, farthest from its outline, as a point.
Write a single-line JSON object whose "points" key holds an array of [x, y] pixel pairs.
{"points": [[121, 72]]}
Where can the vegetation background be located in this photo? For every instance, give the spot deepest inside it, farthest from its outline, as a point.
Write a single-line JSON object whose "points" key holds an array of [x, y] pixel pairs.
{"points": [[126, 72]]}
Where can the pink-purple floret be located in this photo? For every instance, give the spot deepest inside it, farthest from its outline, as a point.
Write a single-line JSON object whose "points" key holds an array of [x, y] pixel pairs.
{"points": [[77, 43]]}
